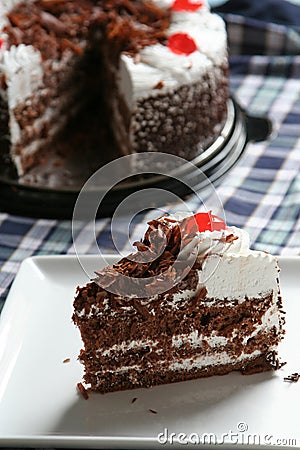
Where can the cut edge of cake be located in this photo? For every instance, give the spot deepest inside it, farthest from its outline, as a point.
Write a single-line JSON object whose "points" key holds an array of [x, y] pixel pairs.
{"points": [[161, 100], [224, 315]]}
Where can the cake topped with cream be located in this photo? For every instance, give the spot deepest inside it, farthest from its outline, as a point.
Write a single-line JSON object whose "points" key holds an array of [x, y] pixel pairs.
{"points": [[157, 69], [193, 301]]}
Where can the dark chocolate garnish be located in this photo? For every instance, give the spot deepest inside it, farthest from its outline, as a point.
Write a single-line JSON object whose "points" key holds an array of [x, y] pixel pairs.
{"points": [[293, 378], [82, 390]]}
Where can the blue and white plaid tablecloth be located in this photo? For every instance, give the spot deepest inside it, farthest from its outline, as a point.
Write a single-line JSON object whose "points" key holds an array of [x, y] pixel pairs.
{"points": [[261, 194]]}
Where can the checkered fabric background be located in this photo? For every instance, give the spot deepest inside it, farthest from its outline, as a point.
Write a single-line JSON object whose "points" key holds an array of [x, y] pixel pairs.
{"points": [[261, 194]]}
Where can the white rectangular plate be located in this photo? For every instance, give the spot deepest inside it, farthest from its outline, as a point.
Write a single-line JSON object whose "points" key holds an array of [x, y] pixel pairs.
{"points": [[40, 405]]}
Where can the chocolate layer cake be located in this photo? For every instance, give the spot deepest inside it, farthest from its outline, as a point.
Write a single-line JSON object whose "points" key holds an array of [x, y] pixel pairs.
{"points": [[159, 70], [208, 305]]}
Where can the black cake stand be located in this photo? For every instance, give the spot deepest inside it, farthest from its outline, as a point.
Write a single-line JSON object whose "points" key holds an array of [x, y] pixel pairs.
{"points": [[53, 193]]}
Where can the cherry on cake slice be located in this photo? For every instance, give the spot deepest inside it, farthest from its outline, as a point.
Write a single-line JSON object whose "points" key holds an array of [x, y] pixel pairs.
{"points": [[193, 301]]}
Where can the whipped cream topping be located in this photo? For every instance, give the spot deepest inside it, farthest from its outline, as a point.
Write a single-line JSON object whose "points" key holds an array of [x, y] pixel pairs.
{"points": [[207, 30], [237, 275], [157, 65], [229, 240], [22, 68]]}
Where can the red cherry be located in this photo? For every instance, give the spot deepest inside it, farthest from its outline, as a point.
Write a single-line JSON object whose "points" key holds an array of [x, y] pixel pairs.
{"points": [[203, 221], [187, 5], [218, 223], [1, 43], [206, 222], [181, 44]]}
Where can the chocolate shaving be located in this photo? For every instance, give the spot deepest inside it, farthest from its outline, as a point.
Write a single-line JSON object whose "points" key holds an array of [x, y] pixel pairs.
{"points": [[140, 246], [133, 329], [229, 239], [141, 309], [51, 3], [3, 82], [202, 293], [152, 356], [293, 378], [134, 400], [67, 360], [21, 19], [66, 43], [82, 390], [46, 24], [152, 411], [159, 85], [52, 23]]}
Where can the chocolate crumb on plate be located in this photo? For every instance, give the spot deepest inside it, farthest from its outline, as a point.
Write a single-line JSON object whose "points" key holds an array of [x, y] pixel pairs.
{"points": [[152, 411], [67, 360], [293, 378], [134, 400]]}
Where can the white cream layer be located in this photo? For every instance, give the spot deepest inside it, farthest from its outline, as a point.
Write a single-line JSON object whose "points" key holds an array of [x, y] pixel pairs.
{"points": [[230, 270], [157, 65], [217, 359], [22, 68]]}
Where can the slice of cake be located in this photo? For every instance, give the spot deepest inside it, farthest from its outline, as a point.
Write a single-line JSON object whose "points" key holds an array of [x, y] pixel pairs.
{"points": [[157, 69], [193, 301]]}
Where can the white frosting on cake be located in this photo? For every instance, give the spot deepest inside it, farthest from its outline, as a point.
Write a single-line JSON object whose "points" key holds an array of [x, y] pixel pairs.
{"points": [[22, 68], [255, 272], [207, 30], [157, 65], [237, 275]]}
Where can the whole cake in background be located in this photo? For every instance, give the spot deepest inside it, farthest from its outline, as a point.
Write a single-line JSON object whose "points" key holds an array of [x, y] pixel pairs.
{"points": [[157, 69], [224, 314]]}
